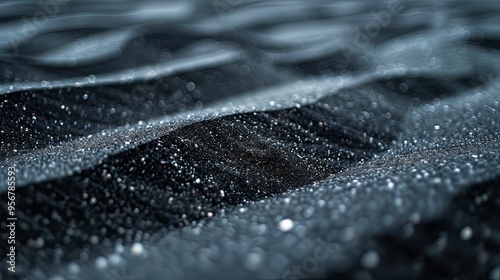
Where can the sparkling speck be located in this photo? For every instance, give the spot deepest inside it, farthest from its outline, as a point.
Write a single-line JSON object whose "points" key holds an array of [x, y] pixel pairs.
{"points": [[190, 86], [466, 233], [253, 261], [286, 225], [370, 259], [137, 249], [101, 263], [495, 273], [73, 268]]}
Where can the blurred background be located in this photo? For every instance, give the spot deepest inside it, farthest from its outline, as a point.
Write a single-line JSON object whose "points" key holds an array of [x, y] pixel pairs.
{"points": [[95, 95], [157, 58]]}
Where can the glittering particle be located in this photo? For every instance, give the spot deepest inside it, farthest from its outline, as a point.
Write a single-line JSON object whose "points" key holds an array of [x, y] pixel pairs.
{"points": [[347, 234], [198, 105], [286, 225], [495, 273], [466, 233], [390, 185], [101, 262], [119, 248], [253, 261], [73, 268], [94, 239], [115, 259], [190, 86], [321, 203], [370, 259], [137, 249]]}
